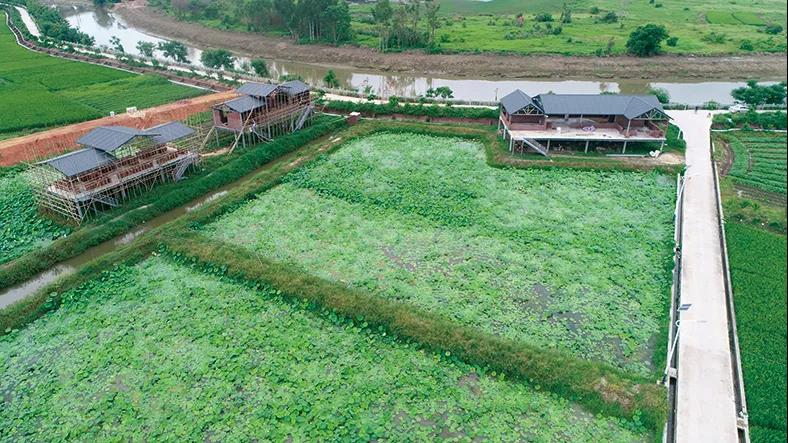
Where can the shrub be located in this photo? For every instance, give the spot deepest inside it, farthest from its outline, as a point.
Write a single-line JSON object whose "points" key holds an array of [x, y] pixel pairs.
{"points": [[544, 17], [662, 94], [746, 45], [773, 29], [610, 17], [260, 67], [646, 40], [672, 41]]}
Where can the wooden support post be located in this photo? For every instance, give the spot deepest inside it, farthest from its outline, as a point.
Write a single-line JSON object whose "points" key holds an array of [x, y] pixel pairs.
{"points": [[511, 143], [548, 145], [662, 145], [629, 122], [624, 151], [586, 151]]}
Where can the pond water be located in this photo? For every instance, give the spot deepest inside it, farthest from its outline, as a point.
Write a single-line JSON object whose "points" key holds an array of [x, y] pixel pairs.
{"points": [[103, 25]]}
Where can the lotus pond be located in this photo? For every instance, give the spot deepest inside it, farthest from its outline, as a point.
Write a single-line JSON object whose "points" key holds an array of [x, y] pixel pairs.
{"points": [[22, 228], [572, 260], [164, 351]]}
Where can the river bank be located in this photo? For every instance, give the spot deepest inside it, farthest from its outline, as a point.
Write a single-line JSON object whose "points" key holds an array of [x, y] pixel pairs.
{"points": [[138, 14]]}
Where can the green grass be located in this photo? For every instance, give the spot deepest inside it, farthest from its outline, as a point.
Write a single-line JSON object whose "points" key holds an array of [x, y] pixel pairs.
{"points": [[22, 228], [563, 259], [38, 91], [758, 273], [161, 351], [759, 160], [483, 26]]}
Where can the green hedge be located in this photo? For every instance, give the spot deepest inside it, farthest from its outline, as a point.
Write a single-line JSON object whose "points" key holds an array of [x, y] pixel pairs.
{"points": [[370, 108], [159, 202], [752, 119]]}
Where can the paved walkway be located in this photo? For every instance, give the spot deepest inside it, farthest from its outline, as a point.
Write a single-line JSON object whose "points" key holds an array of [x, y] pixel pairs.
{"points": [[706, 409]]}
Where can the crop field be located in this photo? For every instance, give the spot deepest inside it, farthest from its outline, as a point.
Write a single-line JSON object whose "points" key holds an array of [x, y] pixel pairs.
{"points": [[577, 261], [759, 160], [22, 228], [39, 91], [758, 272], [153, 351]]}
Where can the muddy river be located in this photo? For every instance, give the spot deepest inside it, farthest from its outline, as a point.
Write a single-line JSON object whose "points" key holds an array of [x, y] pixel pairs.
{"points": [[103, 25]]}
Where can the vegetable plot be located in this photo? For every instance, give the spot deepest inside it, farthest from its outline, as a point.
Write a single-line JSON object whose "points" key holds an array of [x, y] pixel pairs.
{"points": [[573, 260], [161, 351], [758, 272], [759, 160]]}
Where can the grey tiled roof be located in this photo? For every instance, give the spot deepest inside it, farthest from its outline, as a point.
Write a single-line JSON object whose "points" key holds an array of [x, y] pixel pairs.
{"points": [[168, 132], [244, 103], [257, 89], [295, 87], [630, 106], [79, 161], [110, 138], [515, 101]]}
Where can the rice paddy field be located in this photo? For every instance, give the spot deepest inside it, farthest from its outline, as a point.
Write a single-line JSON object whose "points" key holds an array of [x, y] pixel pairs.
{"points": [[758, 274], [576, 261], [759, 160], [22, 228], [154, 349], [38, 91]]}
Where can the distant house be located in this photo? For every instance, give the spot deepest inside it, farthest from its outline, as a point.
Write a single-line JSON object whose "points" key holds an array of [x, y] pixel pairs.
{"points": [[114, 163], [530, 121], [265, 109]]}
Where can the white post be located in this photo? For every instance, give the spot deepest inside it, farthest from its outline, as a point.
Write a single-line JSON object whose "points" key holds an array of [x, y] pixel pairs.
{"points": [[628, 123], [511, 143], [624, 151], [548, 145], [586, 151]]}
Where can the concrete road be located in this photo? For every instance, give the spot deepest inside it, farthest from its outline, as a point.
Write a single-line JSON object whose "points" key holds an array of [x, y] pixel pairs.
{"points": [[706, 408]]}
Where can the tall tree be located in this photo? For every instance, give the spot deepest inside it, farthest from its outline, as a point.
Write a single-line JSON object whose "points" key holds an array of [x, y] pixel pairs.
{"points": [[431, 11]]}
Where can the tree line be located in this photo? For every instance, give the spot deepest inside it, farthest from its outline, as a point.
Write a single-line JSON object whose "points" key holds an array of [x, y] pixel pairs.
{"points": [[305, 20]]}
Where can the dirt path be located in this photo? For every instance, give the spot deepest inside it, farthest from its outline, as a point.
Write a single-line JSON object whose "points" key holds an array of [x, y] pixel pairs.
{"points": [[458, 65], [54, 141]]}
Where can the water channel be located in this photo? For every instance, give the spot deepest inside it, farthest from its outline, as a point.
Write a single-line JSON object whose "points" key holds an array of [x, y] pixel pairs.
{"points": [[102, 25]]}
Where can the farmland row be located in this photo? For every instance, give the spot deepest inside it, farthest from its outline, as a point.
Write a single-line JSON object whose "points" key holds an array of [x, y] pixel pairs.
{"points": [[758, 272], [33, 98]]}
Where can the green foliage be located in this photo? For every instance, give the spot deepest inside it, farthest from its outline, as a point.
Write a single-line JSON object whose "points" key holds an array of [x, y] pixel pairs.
{"points": [[218, 58], [174, 50], [662, 94], [435, 111], [146, 48], [388, 225], [759, 160], [22, 229], [260, 67], [758, 273], [33, 98], [52, 25], [755, 95], [160, 330], [646, 40], [672, 41], [330, 79], [752, 119], [155, 203]]}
